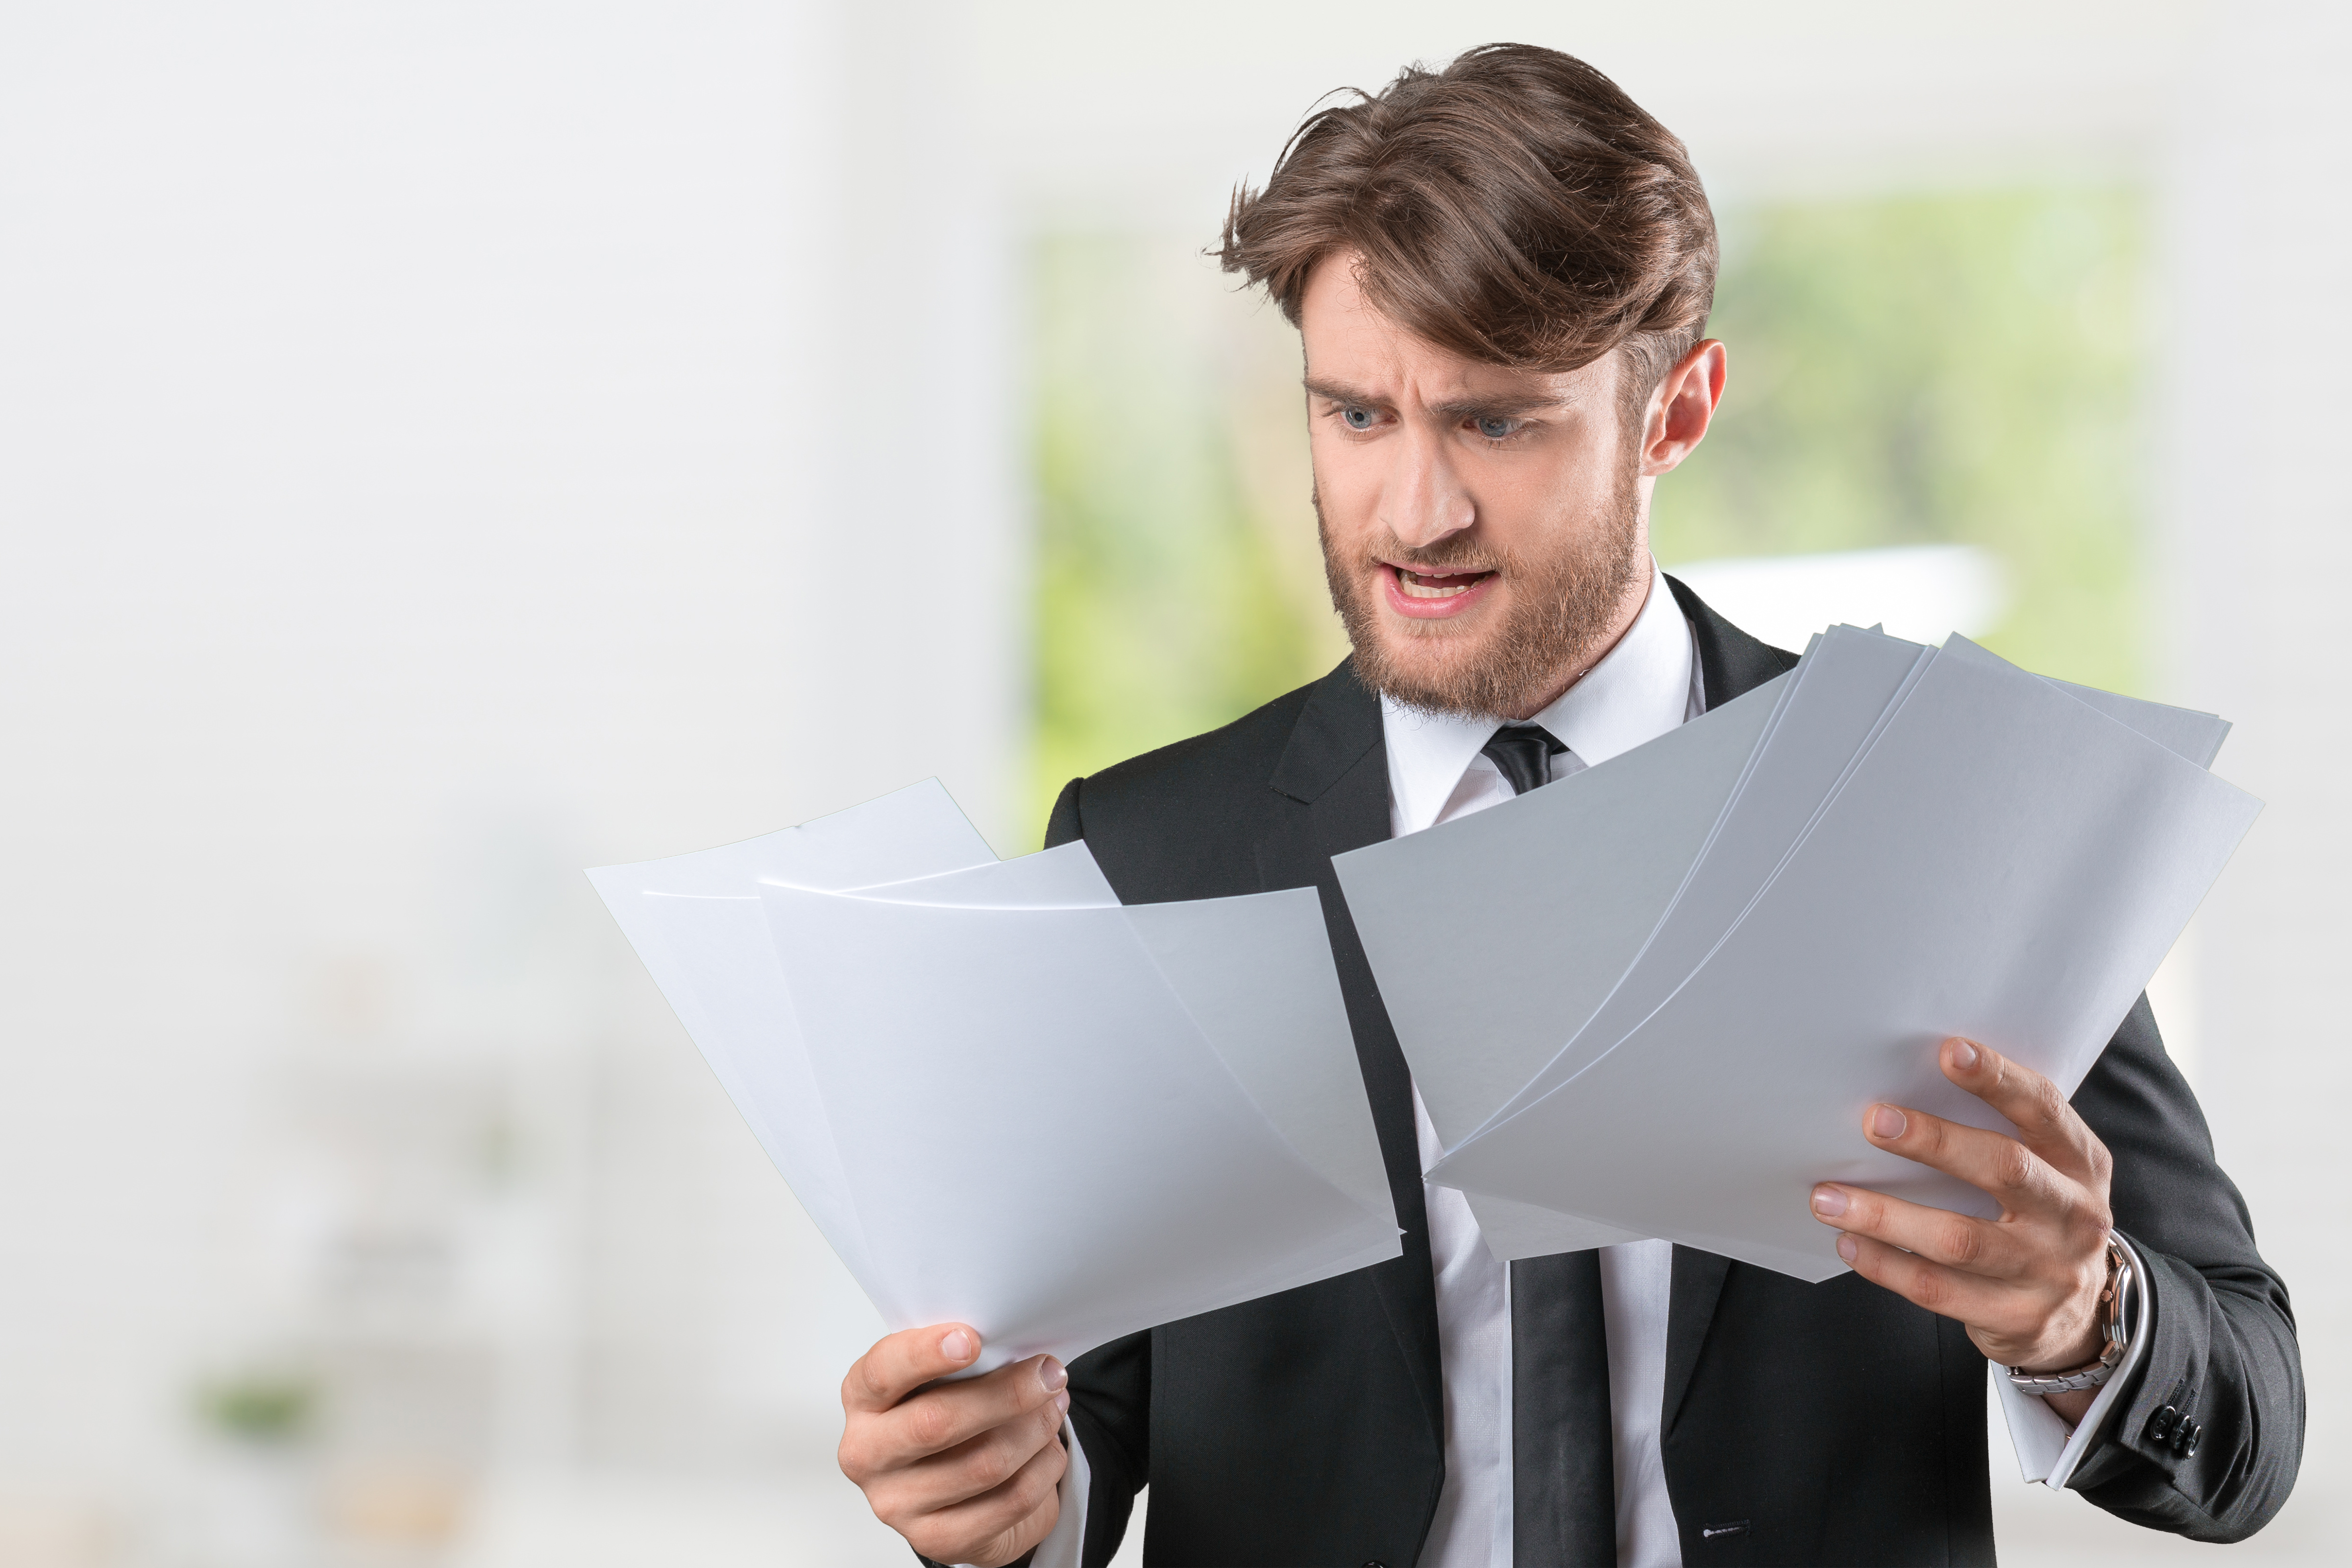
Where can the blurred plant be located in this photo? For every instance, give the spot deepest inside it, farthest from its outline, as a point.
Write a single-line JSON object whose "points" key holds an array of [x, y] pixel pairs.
{"points": [[1179, 579], [1964, 368], [264, 1409], [1960, 367]]}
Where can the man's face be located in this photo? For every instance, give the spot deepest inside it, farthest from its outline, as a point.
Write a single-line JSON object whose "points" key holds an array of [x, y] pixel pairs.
{"points": [[1485, 529]]}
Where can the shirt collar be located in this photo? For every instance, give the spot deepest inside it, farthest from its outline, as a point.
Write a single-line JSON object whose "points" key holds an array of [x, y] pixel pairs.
{"points": [[1642, 688]]}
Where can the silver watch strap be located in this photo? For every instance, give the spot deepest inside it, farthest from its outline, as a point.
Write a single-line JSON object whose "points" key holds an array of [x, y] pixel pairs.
{"points": [[2114, 1333]]}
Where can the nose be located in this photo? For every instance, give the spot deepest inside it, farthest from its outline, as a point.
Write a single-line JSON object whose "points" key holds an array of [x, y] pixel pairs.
{"points": [[1423, 499]]}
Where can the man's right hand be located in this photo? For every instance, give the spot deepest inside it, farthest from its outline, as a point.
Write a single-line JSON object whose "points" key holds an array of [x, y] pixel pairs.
{"points": [[967, 1471]]}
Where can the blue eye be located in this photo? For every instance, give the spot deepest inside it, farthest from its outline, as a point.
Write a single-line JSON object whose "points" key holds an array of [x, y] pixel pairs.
{"points": [[1356, 419], [1495, 429]]}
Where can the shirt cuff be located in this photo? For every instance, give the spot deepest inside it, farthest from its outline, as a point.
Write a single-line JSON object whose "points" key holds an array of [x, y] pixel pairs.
{"points": [[2047, 1451], [1066, 1541]]}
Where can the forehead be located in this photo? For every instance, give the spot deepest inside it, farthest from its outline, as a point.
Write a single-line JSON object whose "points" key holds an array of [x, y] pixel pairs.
{"points": [[1349, 340]]}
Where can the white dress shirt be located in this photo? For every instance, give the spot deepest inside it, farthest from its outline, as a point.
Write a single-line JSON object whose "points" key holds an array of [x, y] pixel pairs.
{"points": [[1646, 685]]}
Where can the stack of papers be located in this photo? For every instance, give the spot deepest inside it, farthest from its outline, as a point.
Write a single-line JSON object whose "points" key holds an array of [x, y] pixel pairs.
{"points": [[1656, 998], [1005, 1099]]}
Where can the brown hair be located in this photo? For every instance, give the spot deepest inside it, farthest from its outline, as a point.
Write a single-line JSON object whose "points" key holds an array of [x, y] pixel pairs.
{"points": [[1515, 207]]}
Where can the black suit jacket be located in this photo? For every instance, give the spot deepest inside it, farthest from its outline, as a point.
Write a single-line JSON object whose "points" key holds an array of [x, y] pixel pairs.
{"points": [[1840, 1423]]}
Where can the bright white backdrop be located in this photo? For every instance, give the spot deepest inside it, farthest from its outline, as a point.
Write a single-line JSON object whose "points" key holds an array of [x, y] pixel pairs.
{"points": [[442, 446]]}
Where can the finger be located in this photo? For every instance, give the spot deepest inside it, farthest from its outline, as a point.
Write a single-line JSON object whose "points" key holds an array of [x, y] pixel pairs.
{"points": [[902, 1363], [972, 1469], [2044, 1122], [1000, 1524], [1955, 1240], [1992, 1162], [951, 1414], [1973, 1300]]}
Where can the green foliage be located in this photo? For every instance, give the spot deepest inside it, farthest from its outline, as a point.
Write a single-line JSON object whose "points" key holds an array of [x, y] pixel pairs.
{"points": [[268, 1409], [1963, 368], [1170, 597]]}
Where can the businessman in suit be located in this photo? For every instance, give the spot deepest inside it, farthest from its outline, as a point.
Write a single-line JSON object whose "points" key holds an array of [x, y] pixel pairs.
{"points": [[1500, 274]]}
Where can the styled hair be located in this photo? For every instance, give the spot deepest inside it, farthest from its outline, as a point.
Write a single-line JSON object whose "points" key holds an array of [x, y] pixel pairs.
{"points": [[1515, 209]]}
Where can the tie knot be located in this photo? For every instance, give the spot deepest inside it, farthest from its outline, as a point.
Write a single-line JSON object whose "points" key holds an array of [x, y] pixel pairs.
{"points": [[1524, 753]]}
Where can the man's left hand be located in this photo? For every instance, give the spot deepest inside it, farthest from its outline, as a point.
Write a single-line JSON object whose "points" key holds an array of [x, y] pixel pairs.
{"points": [[2026, 1284]]}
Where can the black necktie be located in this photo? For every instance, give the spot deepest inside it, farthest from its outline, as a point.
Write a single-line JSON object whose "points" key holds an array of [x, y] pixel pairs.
{"points": [[1524, 753], [1563, 1482]]}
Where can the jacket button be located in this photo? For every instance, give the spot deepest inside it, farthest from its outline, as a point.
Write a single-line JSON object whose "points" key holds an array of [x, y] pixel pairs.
{"points": [[2186, 1437], [2159, 1426]]}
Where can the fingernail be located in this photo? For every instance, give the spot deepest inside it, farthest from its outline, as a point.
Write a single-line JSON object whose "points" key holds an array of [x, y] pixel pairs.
{"points": [[1847, 1247], [1052, 1373], [1828, 1201], [956, 1345], [1062, 1400], [1885, 1121], [1965, 1054]]}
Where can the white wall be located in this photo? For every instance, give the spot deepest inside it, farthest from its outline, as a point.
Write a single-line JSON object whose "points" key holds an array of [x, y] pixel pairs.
{"points": [[2259, 557], [442, 446]]}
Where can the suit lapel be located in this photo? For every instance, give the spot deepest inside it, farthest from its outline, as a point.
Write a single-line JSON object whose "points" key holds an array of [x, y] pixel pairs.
{"points": [[1697, 1286], [1731, 663], [1332, 785], [1333, 788]]}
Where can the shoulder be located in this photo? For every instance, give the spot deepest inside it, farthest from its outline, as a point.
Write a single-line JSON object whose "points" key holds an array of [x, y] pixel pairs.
{"points": [[1731, 663], [1203, 778]]}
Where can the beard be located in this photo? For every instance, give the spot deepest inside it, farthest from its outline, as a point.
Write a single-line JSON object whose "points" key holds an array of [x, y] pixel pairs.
{"points": [[1562, 602]]}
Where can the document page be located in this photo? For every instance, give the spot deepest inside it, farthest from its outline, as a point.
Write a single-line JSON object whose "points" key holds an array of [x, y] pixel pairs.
{"points": [[2005, 863]]}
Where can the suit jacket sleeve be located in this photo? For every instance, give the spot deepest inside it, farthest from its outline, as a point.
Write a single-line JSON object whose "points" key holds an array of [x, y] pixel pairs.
{"points": [[1110, 1386], [2223, 1351]]}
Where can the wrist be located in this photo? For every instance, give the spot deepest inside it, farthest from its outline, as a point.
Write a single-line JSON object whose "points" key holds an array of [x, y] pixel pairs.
{"points": [[2103, 1351]]}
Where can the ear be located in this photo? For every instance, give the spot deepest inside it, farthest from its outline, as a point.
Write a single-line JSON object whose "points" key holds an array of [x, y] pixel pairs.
{"points": [[1682, 406]]}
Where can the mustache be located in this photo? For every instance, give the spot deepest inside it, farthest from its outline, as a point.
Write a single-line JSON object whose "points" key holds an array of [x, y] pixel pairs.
{"points": [[1456, 553]]}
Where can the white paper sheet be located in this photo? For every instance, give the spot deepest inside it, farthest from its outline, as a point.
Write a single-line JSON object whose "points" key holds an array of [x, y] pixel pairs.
{"points": [[1838, 700], [1495, 936], [2182, 730], [2002, 863], [1005, 1098], [1256, 976], [695, 922], [1039, 1140]]}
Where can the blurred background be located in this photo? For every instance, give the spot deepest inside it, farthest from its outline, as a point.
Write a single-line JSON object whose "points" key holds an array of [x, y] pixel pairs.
{"points": [[442, 446]]}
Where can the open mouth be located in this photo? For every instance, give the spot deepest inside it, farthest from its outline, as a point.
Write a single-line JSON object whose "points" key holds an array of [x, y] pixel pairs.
{"points": [[1428, 595]]}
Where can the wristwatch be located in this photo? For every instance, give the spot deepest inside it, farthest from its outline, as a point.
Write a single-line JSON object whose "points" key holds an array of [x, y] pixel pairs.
{"points": [[2115, 1332]]}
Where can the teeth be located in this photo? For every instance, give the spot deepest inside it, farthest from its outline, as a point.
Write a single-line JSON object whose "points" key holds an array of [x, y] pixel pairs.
{"points": [[1421, 588]]}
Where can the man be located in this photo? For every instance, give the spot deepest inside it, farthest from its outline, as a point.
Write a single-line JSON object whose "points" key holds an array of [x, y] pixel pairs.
{"points": [[1500, 274]]}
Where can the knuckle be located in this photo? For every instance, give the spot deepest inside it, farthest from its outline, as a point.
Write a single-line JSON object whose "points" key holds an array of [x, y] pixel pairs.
{"points": [[2014, 1164], [990, 1466], [1961, 1242], [1037, 1483], [929, 1424]]}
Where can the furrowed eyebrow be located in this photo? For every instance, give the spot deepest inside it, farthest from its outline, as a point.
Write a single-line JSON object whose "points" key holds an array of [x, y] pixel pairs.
{"points": [[1336, 392], [1495, 407], [1500, 407]]}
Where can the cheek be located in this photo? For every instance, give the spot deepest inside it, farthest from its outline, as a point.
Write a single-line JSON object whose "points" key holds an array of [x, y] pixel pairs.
{"points": [[1347, 487], [1539, 507]]}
